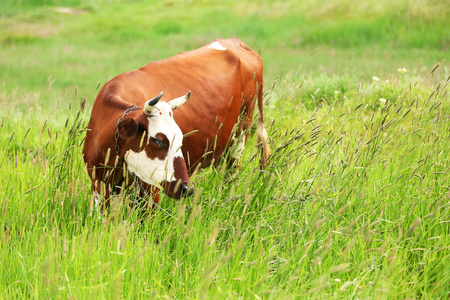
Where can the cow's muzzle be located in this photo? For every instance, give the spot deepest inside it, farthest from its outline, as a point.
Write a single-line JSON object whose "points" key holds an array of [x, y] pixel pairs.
{"points": [[186, 191], [177, 189]]}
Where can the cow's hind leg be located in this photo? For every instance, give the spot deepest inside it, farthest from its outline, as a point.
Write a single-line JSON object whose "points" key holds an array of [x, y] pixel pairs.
{"points": [[262, 135], [263, 138]]}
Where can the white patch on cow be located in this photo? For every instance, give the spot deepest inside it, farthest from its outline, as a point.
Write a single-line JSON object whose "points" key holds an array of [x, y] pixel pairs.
{"points": [[155, 171], [217, 46]]}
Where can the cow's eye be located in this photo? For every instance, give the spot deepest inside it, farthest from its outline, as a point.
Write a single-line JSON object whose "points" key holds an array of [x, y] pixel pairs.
{"points": [[158, 142]]}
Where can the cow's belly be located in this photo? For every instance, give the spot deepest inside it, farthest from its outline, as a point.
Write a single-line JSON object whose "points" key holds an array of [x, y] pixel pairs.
{"points": [[211, 133]]}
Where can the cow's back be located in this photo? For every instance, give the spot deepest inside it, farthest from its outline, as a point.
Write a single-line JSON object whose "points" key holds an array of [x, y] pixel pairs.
{"points": [[223, 83]]}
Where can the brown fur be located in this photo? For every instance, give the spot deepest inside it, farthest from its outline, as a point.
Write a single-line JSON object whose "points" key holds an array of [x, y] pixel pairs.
{"points": [[224, 85]]}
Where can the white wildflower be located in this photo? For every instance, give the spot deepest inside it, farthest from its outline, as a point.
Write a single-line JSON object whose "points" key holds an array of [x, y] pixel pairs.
{"points": [[382, 100], [402, 70], [375, 78]]}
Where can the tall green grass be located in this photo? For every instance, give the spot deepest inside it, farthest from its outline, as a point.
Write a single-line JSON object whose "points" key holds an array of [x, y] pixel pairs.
{"points": [[353, 203]]}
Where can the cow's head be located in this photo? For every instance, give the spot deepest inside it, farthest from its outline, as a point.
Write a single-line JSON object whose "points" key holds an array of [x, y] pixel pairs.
{"points": [[153, 146]]}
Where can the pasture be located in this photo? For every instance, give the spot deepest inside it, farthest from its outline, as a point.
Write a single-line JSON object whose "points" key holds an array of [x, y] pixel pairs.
{"points": [[354, 202]]}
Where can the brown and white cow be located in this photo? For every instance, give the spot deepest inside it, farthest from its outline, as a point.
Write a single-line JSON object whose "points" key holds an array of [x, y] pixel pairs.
{"points": [[225, 78]]}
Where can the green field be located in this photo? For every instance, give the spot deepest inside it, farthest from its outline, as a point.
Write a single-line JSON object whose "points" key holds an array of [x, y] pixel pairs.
{"points": [[355, 201]]}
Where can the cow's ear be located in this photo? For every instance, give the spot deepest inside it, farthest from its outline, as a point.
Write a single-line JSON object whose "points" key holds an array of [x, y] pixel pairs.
{"points": [[127, 128]]}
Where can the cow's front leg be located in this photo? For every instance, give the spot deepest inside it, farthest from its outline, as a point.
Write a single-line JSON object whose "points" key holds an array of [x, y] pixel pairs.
{"points": [[100, 198]]}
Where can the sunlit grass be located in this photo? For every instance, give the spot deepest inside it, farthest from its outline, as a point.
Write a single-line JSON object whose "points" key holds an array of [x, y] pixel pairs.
{"points": [[354, 202]]}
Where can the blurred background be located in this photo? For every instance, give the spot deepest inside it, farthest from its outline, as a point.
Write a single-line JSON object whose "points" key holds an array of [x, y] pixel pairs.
{"points": [[52, 47], [354, 201]]}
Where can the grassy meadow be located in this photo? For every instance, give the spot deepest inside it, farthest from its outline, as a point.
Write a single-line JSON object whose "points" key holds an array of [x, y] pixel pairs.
{"points": [[354, 202]]}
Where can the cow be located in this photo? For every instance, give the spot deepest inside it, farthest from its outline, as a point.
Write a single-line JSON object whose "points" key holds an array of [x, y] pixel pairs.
{"points": [[162, 141]]}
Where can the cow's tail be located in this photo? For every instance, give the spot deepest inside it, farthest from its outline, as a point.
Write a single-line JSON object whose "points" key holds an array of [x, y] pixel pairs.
{"points": [[263, 137]]}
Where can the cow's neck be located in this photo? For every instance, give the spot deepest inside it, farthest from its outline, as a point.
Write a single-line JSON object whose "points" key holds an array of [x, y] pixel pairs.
{"points": [[116, 133]]}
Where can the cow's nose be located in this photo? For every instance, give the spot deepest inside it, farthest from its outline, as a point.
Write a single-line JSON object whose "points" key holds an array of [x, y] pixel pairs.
{"points": [[186, 191]]}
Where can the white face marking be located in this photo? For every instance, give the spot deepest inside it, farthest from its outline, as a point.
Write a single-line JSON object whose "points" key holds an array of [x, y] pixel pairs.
{"points": [[217, 46], [155, 171]]}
